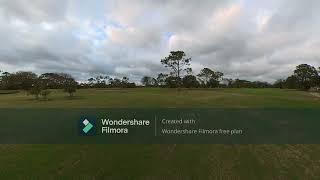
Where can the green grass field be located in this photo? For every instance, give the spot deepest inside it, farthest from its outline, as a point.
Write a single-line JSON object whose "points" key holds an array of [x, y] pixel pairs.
{"points": [[162, 161], [148, 98]]}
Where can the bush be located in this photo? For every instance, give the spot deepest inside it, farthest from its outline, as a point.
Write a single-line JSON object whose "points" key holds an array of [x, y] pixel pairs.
{"points": [[36, 90], [45, 94], [70, 87]]}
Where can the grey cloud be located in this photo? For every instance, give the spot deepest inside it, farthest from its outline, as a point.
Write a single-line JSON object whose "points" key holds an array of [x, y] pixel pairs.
{"points": [[35, 10], [128, 38]]}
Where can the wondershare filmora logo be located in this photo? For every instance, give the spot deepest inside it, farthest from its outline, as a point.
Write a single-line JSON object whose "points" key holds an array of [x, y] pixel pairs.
{"points": [[87, 126]]}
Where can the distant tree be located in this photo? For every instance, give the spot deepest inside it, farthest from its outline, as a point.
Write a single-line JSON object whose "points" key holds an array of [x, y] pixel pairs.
{"points": [[5, 77], [91, 82], [131, 85], [154, 82], [53, 80], [115, 82], [106, 79], [239, 83], [100, 81], [210, 78], [280, 83], [172, 82], [190, 81], [205, 75], [145, 80], [45, 94], [21, 80], [306, 75], [291, 82], [161, 79], [217, 75], [125, 79], [228, 81], [178, 63], [213, 83], [149, 81], [70, 85], [260, 84], [36, 89], [124, 82]]}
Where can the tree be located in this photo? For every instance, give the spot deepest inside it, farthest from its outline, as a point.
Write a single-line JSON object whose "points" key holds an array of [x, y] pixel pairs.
{"points": [[70, 85], [115, 82], [190, 81], [91, 82], [280, 83], [36, 89], [306, 75], [217, 76], [101, 81], [149, 81], [213, 83], [20, 80], [239, 83], [124, 82], [53, 80], [173, 82], [228, 81], [210, 78], [27, 79], [205, 75], [291, 82], [45, 94], [145, 80], [5, 80], [161, 79], [178, 63]]}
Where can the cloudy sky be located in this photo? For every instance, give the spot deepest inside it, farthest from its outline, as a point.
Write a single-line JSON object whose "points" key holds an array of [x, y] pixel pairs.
{"points": [[255, 40]]}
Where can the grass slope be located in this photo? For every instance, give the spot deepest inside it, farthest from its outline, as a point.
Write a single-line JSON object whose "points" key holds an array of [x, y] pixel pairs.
{"points": [[163, 161]]}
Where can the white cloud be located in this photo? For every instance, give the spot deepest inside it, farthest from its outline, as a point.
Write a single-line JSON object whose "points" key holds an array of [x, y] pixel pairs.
{"points": [[244, 39]]}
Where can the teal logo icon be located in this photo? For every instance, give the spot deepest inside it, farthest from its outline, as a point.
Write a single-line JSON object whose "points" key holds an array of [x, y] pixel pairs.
{"points": [[87, 126]]}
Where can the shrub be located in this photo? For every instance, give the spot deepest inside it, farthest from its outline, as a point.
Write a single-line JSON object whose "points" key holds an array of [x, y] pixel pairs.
{"points": [[45, 94], [35, 90]]}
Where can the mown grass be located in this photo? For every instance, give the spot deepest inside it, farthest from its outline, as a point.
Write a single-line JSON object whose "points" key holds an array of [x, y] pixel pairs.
{"points": [[9, 92], [162, 161], [155, 97]]}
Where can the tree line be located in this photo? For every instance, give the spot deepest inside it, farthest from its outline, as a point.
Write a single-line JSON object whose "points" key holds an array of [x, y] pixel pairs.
{"points": [[180, 76], [105, 81], [39, 86], [304, 77]]}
